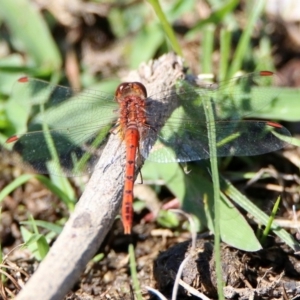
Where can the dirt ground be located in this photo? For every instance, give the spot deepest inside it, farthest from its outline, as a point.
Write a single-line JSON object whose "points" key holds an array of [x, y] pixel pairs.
{"points": [[272, 273]]}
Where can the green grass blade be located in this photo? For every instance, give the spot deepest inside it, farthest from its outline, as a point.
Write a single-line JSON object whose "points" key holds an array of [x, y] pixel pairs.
{"points": [[81, 163], [15, 184], [270, 221], [136, 284], [211, 130], [47, 225], [259, 215], [61, 181], [198, 185], [288, 139], [48, 183], [225, 44], [166, 26], [60, 193], [215, 17], [257, 9], [208, 48]]}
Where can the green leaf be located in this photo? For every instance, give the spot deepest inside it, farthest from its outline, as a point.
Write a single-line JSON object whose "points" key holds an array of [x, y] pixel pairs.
{"points": [[35, 242], [97, 258], [145, 44], [171, 174], [42, 247], [28, 26], [167, 219], [169, 32], [235, 230], [184, 187], [244, 40], [284, 105], [10, 70]]}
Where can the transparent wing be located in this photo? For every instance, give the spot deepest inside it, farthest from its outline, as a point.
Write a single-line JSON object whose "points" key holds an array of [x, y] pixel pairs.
{"points": [[234, 138], [183, 137], [68, 129]]}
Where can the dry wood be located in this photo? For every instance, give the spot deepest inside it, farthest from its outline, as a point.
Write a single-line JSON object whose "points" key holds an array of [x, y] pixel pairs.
{"points": [[101, 200]]}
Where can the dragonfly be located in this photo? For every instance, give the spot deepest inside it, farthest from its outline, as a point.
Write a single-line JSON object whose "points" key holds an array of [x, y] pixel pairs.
{"points": [[70, 127]]}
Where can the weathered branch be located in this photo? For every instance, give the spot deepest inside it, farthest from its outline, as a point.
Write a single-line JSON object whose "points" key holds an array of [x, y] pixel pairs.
{"points": [[100, 202]]}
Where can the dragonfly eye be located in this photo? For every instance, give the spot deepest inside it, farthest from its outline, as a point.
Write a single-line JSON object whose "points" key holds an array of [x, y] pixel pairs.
{"points": [[127, 88], [121, 89], [140, 88]]}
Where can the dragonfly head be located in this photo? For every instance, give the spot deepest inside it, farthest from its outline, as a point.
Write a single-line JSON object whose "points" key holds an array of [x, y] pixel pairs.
{"points": [[131, 89]]}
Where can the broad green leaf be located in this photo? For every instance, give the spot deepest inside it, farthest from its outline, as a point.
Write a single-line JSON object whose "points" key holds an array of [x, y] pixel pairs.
{"points": [[145, 44], [171, 174], [285, 104], [35, 242], [10, 70], [235, 230], [27, 25]]}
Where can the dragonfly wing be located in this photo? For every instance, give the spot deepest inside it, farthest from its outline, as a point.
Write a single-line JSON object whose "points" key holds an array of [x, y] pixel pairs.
{"points": [[68, 126], [189, 142], [184, 135], [71, 151]]}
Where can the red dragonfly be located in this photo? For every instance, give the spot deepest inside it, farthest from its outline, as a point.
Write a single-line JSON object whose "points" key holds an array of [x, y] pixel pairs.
{"points": [[72, 126]]}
